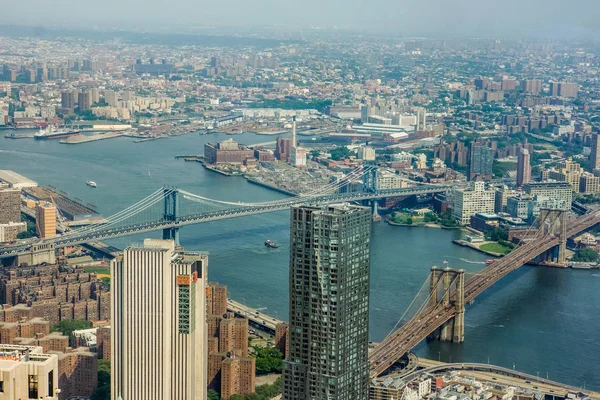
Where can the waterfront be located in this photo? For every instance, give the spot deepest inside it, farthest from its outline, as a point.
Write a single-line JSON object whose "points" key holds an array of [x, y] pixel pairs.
{"points": [[540, 319]]}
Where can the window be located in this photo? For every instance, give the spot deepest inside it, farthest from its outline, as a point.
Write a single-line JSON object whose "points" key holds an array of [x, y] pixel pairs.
{"points": [[33, 386], [1, 386], [50, 383]]}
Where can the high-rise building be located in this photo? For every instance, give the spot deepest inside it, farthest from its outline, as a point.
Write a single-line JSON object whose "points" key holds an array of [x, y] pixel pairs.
{"points": [[366, 153], [216, 299], [523, 168], [67, 100], [103, 342], [329, 303], [10, 205], [83, 101], [468, 202], [46, 220], [532, 86], [158, 321], [481, 159], [111, 98], [281, 338], [237, 376], [589, 183], [282, 149], [595, 153]]}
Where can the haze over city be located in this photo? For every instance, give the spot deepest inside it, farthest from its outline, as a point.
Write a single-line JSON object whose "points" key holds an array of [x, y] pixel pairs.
{"points": [[446, 18]]}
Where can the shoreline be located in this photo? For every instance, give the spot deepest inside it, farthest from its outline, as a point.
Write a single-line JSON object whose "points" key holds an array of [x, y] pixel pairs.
{"points": [[422, 225]]}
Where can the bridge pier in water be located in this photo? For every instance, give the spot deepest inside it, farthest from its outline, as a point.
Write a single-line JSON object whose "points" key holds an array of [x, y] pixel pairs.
{"points": [[454, 329], [171, 210]]}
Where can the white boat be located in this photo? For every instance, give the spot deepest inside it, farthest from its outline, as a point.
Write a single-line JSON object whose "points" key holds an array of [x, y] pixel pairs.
{"points": [[52, 132], [92, 184]]}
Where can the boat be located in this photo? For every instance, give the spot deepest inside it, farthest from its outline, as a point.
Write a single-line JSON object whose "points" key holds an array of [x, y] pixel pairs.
{"points": [[92, 184], [270, 244], [52, 132], [488, 262]]}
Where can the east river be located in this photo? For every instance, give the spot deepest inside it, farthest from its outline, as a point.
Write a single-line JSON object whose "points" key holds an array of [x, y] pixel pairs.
{"points": [[540, 320]]}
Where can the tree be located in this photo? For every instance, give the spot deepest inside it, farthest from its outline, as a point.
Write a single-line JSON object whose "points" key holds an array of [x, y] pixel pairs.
{"points": [[497, 234], [68, 326], [339, 153], [409, 220], [585, 255], [268, 359], [102, 392], [213, 395]]}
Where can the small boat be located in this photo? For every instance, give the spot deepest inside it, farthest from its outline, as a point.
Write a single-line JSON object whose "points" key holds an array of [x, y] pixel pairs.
{"points": [[488, 262], [270, 244], [91, 184]]}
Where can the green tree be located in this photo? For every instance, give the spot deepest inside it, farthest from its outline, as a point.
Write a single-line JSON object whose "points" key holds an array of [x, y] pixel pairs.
{"points": [[497, 234], [409, 220], [68, 326], [268, 359], [102, 392], [213, 395], [585, 255], [339, 153]]}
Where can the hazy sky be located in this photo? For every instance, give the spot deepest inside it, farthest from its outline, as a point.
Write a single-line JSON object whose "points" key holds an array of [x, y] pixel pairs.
{"points": [[407, 17]]}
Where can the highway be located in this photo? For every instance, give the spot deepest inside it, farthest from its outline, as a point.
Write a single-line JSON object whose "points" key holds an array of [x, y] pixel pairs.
{"points": [[253, 315]]}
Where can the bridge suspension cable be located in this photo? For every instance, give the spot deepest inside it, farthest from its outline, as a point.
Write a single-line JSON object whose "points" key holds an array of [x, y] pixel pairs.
{"points": [[409, 306], [331, 187], [130, 211]]}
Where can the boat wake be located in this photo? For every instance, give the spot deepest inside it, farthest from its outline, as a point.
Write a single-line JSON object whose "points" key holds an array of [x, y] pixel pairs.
{"points": [[498, 326], [471, 261]]}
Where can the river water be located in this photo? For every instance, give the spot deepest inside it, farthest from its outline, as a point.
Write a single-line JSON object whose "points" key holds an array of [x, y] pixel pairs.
{"points": [[538, 319]]}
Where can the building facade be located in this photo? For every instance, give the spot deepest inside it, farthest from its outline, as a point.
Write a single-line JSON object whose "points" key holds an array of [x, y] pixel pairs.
{"points": [[46, 220], [329, 304], [468, 202], [481, 159], [28, 373], [523, 168], [158, 321], [552, 190], [10, 205]]}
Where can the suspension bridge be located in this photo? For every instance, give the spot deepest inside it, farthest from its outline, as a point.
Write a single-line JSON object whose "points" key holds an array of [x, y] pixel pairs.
{"points": [[441, 315], [168, 209]]}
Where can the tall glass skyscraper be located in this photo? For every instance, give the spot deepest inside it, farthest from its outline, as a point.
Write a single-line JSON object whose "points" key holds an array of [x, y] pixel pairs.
{"points": [[329, 304]]}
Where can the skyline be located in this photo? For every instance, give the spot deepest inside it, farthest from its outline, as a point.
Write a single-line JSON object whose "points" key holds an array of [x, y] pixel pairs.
{"points": [[431, 18]]}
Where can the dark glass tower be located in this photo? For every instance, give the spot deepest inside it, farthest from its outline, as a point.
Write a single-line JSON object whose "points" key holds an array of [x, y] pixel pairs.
{"points": [[329, 304]]}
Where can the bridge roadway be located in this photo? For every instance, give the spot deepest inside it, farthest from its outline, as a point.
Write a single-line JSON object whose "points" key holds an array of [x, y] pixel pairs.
{"points": [[432, 317], [109, 233], [253, 315]]}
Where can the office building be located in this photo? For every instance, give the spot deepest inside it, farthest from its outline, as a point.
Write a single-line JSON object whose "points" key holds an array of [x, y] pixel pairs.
{"points": [[329, 303], [523, 168], [158, 320], [552, 190], [28, 373], [473, 200], [10, 205], [595, 152], [481, 159], [46, 220]]}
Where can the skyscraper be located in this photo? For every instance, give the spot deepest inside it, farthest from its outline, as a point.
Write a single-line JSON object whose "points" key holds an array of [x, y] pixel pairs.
{"points": [[158, 333], [595, 153], [523, 168], [329, 304], [481, 159]]}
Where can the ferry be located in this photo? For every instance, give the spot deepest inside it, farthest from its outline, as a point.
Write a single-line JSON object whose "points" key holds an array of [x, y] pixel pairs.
{"points": [[488, 262], [91, 184], [52, 132], [270, 244]]}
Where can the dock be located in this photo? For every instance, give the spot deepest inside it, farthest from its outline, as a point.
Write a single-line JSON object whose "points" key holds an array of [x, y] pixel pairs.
{"points": [[78, 139], [255, 318]]}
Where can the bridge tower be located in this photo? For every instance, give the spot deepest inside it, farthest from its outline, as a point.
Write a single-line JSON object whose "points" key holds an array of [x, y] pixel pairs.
{"points": [[554, 222], [171, 209], [453, 286]]}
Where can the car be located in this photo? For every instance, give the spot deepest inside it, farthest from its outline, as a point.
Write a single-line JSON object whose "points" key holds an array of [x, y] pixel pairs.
{"points": [[535, 387], [527, 381]]}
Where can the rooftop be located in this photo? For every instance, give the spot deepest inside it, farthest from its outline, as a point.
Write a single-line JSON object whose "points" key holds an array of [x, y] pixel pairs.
{"points": [[12, 178]]}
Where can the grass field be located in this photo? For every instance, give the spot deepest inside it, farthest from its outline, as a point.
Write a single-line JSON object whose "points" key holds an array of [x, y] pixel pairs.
{"points": [[98, 270], [495, 248]]}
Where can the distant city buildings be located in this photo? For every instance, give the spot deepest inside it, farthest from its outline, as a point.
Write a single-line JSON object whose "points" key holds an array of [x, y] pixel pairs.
{"points": [[480, 162], [226, 152], [10, 214], [329, 273], [523, 168], [158, 320], [46, 220]]}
